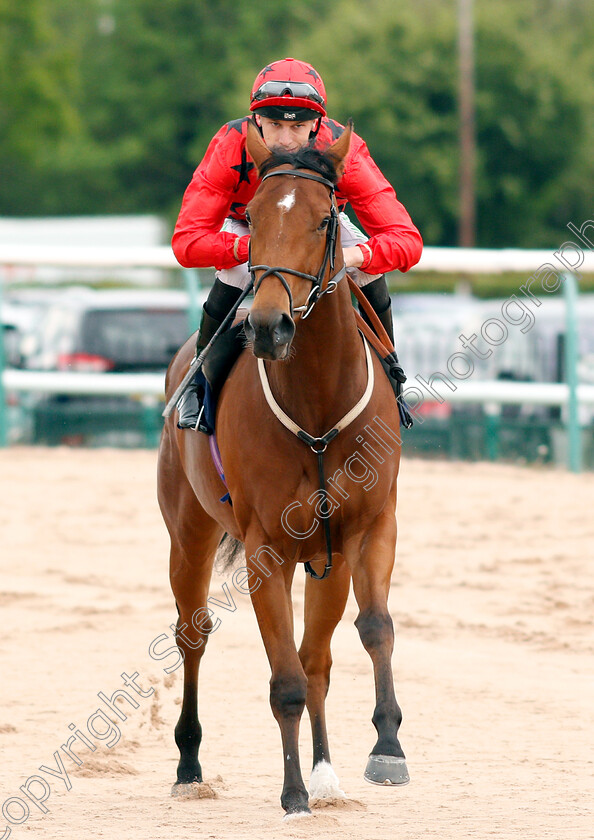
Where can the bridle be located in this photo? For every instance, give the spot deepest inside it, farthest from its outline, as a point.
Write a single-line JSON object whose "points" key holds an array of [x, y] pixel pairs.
{"points": [[278, 271], [329, 254]]}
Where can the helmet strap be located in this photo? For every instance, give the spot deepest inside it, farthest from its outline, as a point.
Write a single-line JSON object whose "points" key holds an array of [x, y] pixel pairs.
{"points": [[314, 132], [257, 124]]}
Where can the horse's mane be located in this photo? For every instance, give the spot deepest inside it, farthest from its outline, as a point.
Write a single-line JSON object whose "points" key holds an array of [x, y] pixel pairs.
{"points": [[305, 158]]}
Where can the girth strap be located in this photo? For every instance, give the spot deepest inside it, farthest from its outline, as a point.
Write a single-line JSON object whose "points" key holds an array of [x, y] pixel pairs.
{"points": [[319, 446]]}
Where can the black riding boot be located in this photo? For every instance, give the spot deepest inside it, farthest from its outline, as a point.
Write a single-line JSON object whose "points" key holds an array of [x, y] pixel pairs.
{"points": [[220, 300], [378, 296]]}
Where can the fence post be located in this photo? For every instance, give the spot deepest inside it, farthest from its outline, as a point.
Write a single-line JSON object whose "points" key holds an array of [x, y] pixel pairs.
{"points": [[3, 411], [192, 282], [492, 429], [574, 432], [151, 421]]}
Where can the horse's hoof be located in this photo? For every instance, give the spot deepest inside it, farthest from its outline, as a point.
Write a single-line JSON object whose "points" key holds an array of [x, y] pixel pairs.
{"points": [[295, 815], [193, 790], [386, 770]]}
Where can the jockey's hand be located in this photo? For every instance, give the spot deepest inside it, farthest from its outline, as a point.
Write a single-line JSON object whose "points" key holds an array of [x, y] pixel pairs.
{"points": [[353, 257]]}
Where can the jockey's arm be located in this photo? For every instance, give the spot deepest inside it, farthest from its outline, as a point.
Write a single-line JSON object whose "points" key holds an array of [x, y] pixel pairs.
{"points": [[198, 241]]}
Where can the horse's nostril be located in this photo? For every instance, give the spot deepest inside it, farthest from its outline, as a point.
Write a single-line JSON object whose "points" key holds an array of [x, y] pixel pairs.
{"points": [[248, 329], [277, 335], [283, 331]]}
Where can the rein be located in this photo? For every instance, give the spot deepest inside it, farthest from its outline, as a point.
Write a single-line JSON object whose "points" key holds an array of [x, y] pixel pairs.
{"points": [[329, 254], [318, 445]]}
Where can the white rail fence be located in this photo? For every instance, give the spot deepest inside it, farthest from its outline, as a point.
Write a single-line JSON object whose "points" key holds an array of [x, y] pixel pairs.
{"points": [[463, 260], [567, 260], [495, 392], [102, 384]]}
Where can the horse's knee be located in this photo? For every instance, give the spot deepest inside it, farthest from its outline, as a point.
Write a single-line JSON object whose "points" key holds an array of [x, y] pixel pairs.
{"points": [[316, 663], [375, 629], [287, 696]]}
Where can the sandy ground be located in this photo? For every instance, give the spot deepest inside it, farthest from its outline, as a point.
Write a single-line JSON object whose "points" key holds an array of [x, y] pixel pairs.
{"points": [[493, 598]]}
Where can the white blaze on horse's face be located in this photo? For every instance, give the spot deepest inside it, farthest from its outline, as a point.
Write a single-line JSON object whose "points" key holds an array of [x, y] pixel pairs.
{"points": [[287, 202], [284, 205]]}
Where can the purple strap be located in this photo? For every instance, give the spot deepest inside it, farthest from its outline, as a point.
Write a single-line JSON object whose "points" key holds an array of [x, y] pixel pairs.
{"points": [[216, 458]]}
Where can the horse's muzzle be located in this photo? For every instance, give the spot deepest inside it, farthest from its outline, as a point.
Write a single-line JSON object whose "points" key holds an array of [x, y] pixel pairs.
{"points": [[270, 333]]}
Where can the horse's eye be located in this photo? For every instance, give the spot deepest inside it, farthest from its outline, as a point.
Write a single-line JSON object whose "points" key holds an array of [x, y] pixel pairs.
{"points": [[248, 218], [324, 224]]}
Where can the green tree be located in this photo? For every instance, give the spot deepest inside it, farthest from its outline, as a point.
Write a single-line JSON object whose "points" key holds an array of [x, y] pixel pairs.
{"points": [[112, 103], [35, 110], [531, 127], [393, 67], [156, 82]]}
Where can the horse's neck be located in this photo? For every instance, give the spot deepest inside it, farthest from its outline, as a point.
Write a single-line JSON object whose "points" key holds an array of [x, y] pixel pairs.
{"points": [[326, 374]]}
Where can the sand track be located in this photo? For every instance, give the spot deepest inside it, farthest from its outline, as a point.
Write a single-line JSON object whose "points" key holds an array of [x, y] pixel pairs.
{"points": [[492, 596]]}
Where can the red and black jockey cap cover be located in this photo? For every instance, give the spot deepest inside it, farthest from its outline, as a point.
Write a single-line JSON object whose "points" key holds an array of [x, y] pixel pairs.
{"points": [[289, 89]]}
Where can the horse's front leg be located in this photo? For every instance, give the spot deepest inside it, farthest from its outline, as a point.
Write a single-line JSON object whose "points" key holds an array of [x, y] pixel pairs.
{"points": [[325, 601], [288, 683], [371, 572]]}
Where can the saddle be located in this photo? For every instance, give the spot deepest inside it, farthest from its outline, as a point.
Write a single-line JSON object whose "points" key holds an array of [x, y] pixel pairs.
{"points": [[216, 368]]}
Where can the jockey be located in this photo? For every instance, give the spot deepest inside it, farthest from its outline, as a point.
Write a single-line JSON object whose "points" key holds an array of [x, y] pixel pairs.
{"points": [[288, 105]]}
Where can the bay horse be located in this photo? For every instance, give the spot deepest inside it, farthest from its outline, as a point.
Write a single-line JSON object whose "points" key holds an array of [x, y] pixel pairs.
{"points": [[309, 367]]}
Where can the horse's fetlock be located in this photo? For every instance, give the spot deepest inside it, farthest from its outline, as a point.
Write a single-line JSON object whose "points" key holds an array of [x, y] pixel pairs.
{"points": [[384, 719], [188, 734]]}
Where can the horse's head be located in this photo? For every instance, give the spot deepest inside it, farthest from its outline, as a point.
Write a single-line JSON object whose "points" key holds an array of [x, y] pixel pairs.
{"points": [[295, 235]]}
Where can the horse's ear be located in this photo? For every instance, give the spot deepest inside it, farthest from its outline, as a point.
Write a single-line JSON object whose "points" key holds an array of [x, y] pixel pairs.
{"points": [[340, 149], [257, 148]]}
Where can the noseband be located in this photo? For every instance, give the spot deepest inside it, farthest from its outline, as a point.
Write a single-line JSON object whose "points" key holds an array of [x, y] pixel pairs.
{"points": [[329, 254]]}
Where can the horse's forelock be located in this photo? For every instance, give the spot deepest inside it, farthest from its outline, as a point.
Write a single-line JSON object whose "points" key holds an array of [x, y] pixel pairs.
{"points": [[305, 158]]}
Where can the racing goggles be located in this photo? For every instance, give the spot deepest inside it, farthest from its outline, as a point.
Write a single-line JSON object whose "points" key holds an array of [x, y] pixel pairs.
{"points": [[298, 90]]}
